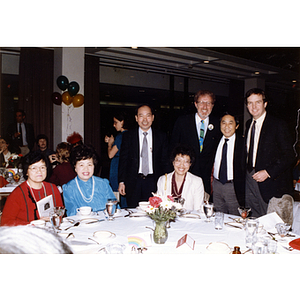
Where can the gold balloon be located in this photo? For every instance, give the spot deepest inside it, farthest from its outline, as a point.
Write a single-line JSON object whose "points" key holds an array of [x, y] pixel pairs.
{"points": [[78, 100], [66, 98]]}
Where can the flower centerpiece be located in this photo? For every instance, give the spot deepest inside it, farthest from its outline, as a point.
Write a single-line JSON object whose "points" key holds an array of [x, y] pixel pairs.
{"points": [[14, 161], [161, 210]]}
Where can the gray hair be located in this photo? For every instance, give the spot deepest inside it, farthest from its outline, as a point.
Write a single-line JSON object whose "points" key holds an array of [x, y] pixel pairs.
{"points": [[31, 240]]}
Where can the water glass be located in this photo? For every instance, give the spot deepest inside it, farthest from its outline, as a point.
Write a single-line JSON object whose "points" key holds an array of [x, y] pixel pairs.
{"points": [[251, 226], [272, 246], [219, 220], [260, 246]]}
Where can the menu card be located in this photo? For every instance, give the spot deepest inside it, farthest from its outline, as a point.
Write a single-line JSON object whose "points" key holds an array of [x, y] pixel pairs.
{"points": [[186, 239], [45, 206]]}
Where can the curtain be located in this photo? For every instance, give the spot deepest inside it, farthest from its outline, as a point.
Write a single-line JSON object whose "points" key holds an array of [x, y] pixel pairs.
{"points": [[36, 88], [92, 134]]}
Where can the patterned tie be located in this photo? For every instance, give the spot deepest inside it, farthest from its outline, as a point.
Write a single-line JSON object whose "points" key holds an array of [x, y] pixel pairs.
{"points": [[250, 153], [223, 165], [144, 155], [201, 137]]}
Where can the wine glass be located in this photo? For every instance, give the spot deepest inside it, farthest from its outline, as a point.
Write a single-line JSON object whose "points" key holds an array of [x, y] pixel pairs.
{"points": [[244, 212], [208, 210], [282, 229], [111, 209], [55, 220]]}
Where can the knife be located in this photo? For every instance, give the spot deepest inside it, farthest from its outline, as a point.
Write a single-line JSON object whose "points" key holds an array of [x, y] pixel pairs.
{"points": [[95, 221], [233, 226]]}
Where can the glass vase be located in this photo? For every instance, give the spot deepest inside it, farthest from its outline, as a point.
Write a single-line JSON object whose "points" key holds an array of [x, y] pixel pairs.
{"points": [[160, 234]]}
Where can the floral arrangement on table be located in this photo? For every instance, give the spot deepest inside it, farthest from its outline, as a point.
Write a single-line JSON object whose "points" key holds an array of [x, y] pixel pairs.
{"points": [[14, 161], [162, 208]]}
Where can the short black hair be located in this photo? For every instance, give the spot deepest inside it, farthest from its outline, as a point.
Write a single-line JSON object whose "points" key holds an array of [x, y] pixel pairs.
{"points": [[145, 104], [41, 136], [183, 150], [255, 91], [237, 121], [82, 152], [32, 158]]}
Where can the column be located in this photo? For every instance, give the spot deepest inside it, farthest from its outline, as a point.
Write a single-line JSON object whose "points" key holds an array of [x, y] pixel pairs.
{"points": [[69, 62]]}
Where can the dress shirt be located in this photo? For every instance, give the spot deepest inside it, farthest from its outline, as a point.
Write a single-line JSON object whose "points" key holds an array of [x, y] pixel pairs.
{"points": [[198, 124], [23, 133], [258, 126], [149, 140], [230, 152]]}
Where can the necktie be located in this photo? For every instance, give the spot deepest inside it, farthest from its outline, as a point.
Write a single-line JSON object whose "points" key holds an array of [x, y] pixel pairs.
{"points": [[21, 134], [250, 153], [201, 137], [223, 165], [144, 155]]}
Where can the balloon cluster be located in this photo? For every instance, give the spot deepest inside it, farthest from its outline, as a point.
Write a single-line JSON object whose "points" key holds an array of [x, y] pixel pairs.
{"points": [[69, 96]]}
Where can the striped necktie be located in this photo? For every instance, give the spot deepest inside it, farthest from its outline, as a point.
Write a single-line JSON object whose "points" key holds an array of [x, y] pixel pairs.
{"points": [[201, 137]]}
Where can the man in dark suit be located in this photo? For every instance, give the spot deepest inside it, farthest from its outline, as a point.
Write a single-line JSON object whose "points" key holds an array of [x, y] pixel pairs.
{"points": [[270, 155], [201, 132], [21, 133], [229, 170], [143, 158]]}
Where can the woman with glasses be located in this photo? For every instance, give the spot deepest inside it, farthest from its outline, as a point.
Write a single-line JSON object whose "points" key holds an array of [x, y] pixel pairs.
{"points": [[181, 183], [21, 205]]}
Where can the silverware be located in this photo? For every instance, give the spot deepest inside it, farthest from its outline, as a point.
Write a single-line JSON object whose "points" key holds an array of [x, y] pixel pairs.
{"points": [[272, 235], [74, 225], [95, 221], [93, 240], [247, 251], [69, 234], [233, 226]]}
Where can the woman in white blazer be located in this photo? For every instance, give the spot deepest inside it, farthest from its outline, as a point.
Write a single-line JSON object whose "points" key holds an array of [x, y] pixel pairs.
{"points": [[181, 183]]}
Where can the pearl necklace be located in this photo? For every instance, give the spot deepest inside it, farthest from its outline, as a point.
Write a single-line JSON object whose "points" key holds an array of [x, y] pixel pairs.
{"points": [[87, 200]]}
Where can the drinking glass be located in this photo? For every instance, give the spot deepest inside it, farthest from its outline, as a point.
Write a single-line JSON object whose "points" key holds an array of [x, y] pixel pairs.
{"points": [[208, 210], [111, 209], [251, 227], [244, 212], [55, 220], [219, 219], [282, 229], [272, 246]]}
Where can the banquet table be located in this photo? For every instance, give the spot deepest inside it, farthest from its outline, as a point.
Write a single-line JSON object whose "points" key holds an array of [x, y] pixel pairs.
{"points": [[82, 240]]}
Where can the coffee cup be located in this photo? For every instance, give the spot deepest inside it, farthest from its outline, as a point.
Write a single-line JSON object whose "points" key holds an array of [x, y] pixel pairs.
{"points": [[84, 210], [144, 204]]}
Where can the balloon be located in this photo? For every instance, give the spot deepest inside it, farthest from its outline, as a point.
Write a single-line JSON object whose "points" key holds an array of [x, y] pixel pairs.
{"points": [[73, 88], [66, 98], [78, 100], [62, 82], [56, 98]]}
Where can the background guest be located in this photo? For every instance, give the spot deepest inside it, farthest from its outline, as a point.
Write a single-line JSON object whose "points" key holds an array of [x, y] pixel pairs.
{"points": [[229, 171], [7, 150], [113, 151], [85, 189], [270, 155], [20, 207], [64, 171], [181, 183], [143, 158], [21, 133], [201, 131]]}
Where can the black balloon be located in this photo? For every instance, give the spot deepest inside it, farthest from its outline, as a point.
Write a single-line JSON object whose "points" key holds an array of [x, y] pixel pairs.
{"points": [[62, 82], [73, 88], [56, 98]]}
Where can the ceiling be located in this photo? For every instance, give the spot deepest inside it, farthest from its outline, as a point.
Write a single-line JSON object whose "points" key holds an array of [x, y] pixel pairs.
{"points": [[278, 66]]}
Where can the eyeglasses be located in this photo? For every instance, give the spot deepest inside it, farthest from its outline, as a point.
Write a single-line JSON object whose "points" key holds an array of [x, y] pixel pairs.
{"points": [[202, 103], [35, 169], [180, 161]]}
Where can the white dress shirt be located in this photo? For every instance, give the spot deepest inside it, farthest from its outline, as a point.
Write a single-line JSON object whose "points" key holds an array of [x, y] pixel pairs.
{"points": [[149, 140], [218, 157], [258, 126]]}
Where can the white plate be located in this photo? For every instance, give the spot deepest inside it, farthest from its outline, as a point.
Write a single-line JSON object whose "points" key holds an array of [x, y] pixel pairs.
{"points": [[103, 235], [138, 214], [218, 248]]}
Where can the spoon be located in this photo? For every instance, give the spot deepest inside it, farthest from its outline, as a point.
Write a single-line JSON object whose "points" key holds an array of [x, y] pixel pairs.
{"points": [[74, 225], [93, 240]]}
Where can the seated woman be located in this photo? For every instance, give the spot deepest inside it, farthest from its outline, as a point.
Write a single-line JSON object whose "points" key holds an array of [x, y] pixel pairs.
{"points": [[64, 171], [7, 150], [21, 205], [181, 183], [85, 189]]}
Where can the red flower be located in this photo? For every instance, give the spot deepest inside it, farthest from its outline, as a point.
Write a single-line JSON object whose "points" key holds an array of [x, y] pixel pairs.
{"points": [[170, 198], [155, 201]]}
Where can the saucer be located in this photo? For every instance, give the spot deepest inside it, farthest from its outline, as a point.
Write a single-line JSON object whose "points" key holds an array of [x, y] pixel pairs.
{"points": [[218, 248], [190, 216], [138, 214], [85, 216], [103, 235]]}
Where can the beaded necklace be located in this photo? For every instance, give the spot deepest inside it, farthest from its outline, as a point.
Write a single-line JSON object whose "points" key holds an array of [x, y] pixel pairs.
{"points": [[87, 200]]}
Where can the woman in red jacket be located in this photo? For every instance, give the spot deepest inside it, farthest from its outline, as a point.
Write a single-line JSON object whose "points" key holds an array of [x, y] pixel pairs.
{"points": [[20, 207]]}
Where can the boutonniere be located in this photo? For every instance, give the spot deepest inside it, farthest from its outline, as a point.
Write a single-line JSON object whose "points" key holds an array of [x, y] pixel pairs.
{"points": [[210, 126]]}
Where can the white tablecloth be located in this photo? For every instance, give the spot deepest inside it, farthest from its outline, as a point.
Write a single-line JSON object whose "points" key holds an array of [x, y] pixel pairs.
{"points": [[202, 232]]}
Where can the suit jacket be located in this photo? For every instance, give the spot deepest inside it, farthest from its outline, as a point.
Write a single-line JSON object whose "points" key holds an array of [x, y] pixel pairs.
{"points": [[130, 157], [12, 129], [239, 170], [185, 132], [275, 155], [192, 192]]}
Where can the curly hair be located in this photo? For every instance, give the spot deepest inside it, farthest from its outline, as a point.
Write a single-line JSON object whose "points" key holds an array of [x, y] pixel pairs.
{"points": [[63, 151], [183, 150], [82, 152]]}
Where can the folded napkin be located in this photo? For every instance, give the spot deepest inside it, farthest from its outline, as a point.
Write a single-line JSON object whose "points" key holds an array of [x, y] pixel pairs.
{"points": [[269, 221]]}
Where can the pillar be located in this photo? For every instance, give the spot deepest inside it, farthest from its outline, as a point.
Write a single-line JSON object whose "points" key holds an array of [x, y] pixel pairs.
{"points": [[69, 62]]}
